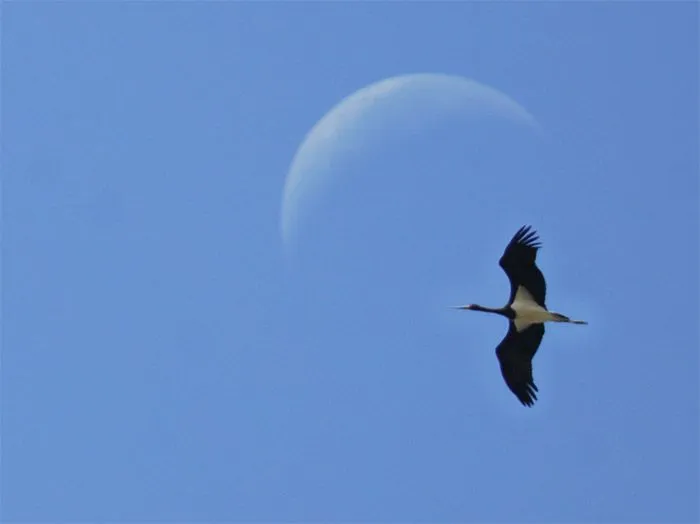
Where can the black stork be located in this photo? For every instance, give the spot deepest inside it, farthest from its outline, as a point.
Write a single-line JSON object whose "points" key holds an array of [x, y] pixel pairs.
{"points": [[526, 312]]}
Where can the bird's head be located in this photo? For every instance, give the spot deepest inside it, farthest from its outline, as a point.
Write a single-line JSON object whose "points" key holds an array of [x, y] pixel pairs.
{"points": [[477, 307], [470, 307]]}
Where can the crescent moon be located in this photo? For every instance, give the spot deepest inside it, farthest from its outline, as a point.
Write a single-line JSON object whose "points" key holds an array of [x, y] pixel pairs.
{"points": [[402, 102]]}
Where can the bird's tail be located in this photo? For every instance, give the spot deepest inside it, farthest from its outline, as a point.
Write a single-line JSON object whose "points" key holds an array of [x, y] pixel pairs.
{"points": [[558, 317]]}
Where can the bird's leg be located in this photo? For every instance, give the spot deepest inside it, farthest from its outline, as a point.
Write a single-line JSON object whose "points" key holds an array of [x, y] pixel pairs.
{"points": [[558, 317]]}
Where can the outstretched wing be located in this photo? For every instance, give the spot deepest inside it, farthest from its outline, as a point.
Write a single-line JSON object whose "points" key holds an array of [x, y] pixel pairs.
{"points": [[515, 354], [518, 261]]}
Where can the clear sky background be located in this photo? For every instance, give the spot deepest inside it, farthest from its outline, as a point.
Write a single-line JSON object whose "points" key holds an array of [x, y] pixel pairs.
{"points": [[162, 360]]}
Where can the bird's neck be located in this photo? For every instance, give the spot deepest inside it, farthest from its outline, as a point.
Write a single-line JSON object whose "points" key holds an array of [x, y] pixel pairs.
{"points": [[497, 310]]}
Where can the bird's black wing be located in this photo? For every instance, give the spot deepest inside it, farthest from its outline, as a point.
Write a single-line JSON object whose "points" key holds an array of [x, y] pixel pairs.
{"points": [[515, 354], [518, 261]]}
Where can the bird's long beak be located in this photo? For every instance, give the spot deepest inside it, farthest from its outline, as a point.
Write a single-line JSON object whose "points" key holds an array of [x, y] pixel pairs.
{"points": [[459, 307]]}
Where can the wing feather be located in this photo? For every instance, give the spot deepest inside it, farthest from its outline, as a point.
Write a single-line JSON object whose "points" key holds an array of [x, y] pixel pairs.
{"points": [[518, 262], [515, 354]]}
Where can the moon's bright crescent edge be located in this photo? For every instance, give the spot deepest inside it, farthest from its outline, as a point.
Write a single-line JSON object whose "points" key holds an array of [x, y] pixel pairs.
{"points": [[315, 150]]}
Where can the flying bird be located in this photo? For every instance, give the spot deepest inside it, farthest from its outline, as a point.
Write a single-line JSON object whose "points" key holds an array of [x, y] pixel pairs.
{"points": [[526, 313]]}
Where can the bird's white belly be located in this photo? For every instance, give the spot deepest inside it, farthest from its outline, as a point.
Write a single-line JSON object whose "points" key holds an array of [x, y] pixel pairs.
{"points": [[528, 315], [527, 311]]}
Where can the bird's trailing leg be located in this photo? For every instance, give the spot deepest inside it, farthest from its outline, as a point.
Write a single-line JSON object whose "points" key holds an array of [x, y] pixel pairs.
{"points": [[558, 317]]}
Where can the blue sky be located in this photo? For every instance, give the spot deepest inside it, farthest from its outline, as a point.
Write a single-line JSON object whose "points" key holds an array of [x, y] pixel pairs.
{"points": [[162, 360]]}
